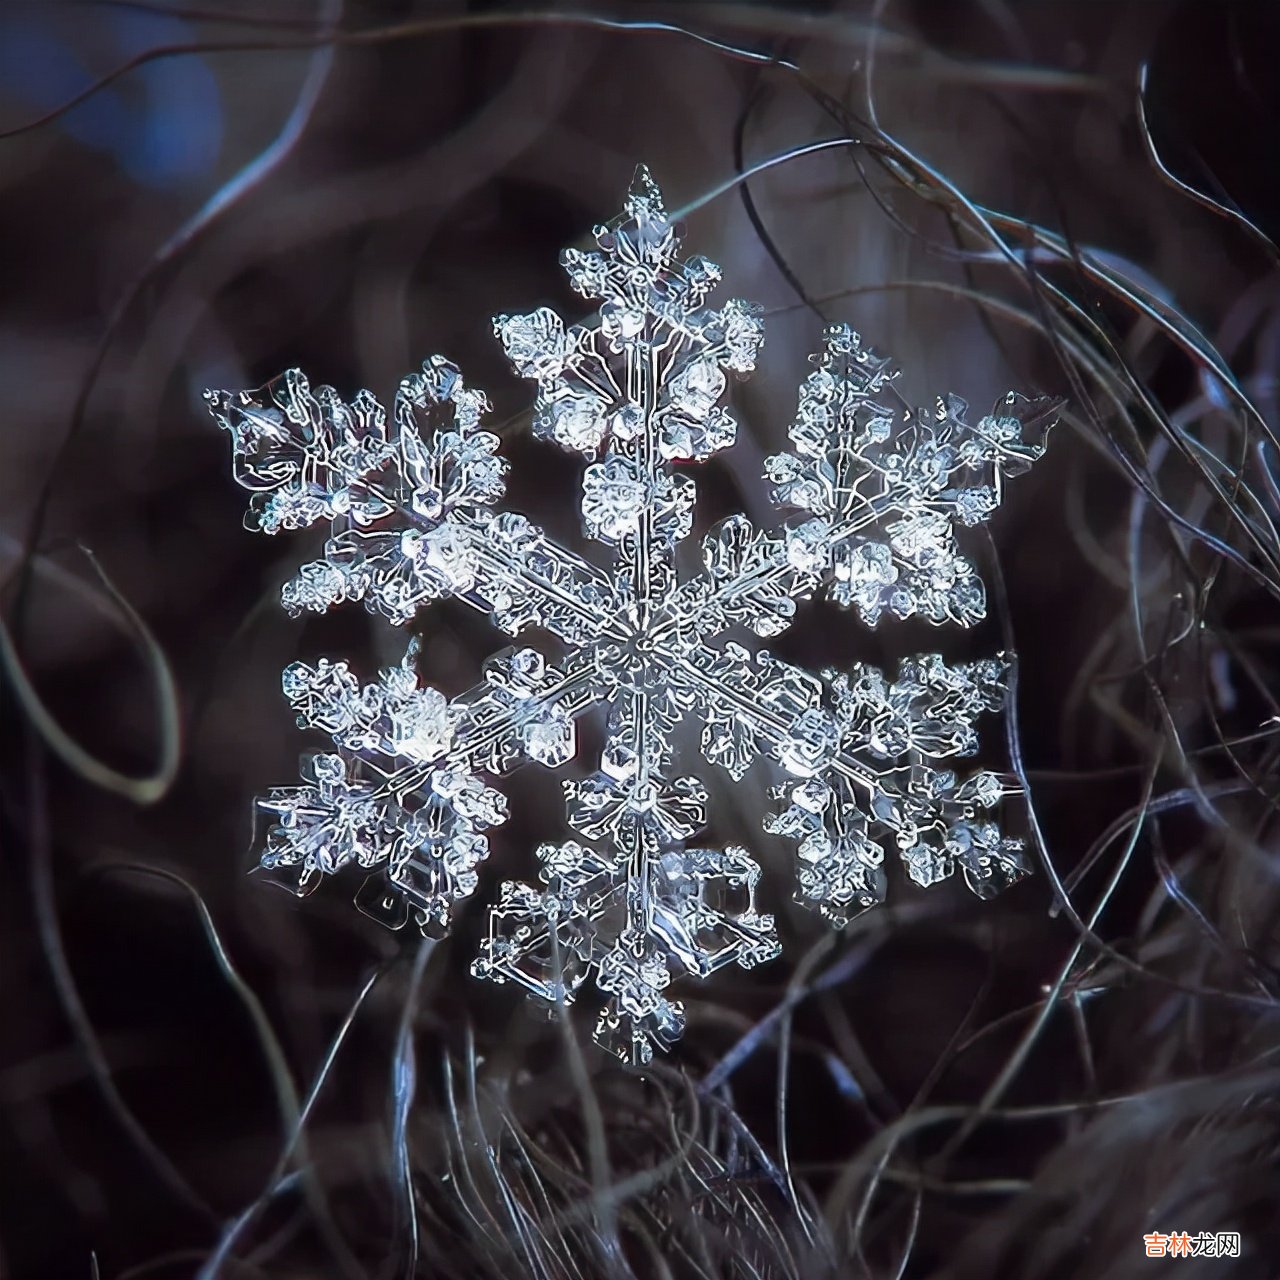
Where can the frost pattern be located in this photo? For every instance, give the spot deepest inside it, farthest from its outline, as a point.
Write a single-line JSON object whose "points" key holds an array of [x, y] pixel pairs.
{"points": [[864, 760]]}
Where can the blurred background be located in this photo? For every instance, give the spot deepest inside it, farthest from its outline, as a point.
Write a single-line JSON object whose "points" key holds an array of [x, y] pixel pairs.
{"points": [[1068, 198]]}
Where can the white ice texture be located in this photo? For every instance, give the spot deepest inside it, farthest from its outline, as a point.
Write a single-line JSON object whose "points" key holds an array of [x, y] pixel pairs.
{"points": [[861, 761]]}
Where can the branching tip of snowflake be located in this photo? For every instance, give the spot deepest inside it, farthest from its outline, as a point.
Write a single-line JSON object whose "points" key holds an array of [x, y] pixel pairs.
{"points": [[881, 496]]}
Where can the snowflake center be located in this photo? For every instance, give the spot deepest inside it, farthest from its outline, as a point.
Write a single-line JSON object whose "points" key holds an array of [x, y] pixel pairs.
{"points": [[640, 663]]}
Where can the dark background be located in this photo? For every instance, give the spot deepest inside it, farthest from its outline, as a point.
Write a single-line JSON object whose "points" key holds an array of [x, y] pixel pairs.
{"points": [[958, 1088]]}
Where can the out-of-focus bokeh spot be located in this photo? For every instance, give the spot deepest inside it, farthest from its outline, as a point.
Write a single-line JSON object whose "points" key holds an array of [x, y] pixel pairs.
{"points": [[162, 122]]}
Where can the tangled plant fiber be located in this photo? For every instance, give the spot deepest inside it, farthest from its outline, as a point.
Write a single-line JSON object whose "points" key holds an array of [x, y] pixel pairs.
{"points": [[202, 1078]]}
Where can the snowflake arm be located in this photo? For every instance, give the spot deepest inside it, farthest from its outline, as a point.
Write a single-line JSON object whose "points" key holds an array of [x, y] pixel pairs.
{"points": [[411, 509], [866, 752], [697, 913], [893, 482], [915, 724], [427, 836], [862, 469]]}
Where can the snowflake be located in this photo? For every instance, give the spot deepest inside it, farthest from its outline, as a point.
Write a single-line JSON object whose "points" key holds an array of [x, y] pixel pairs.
{"points": [[881, 488]]}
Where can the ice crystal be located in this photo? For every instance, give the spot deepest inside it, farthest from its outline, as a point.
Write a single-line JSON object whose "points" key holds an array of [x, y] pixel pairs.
{"points": [[860, 760]]}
